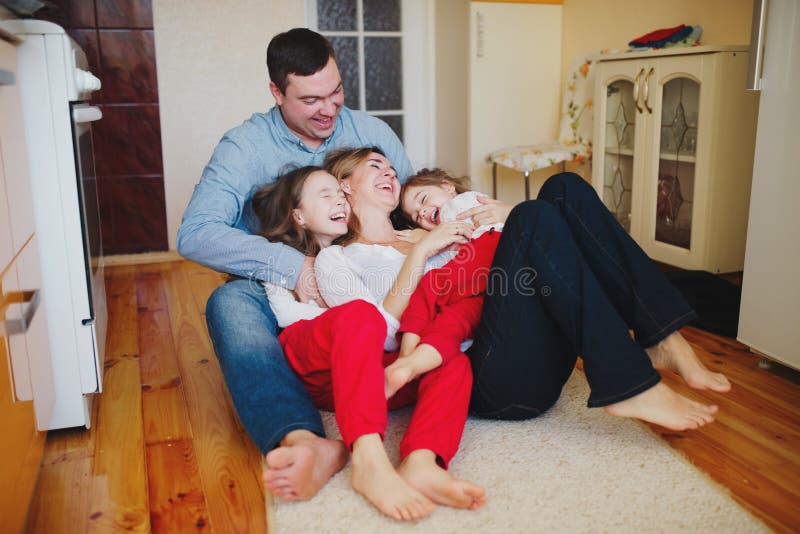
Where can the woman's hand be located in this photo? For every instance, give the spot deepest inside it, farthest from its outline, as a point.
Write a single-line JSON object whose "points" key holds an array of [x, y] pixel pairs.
{"points": [[490, 212], [444, 235], [410, 236]]}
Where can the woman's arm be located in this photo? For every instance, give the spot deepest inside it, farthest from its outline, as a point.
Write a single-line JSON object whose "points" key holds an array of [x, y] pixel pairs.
{"points": [[407, 280]]}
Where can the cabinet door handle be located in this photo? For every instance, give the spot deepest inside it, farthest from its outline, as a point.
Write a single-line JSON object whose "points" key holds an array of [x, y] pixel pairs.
{"points": [[10, 327], [646, 90], [636, 91]]}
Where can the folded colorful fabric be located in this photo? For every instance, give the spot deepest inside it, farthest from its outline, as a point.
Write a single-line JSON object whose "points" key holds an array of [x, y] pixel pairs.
{"points": [[660, 38]]}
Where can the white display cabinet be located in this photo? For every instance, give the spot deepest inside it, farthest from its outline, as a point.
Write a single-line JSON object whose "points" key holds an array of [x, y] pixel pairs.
{"points": [[674, 136]]}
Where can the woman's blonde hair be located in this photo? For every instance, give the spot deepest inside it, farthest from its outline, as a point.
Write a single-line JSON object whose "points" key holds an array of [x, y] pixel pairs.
{"points": [[342, 164], [274, 205], [436, 177]]}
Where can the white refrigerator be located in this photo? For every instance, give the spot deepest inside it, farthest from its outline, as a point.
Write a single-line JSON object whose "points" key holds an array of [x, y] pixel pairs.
{"points": [[769, 319]]}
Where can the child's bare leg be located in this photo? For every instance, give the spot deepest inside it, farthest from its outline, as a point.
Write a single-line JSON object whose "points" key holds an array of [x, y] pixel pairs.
{"points": [[675, 354], [406, 368], [662, 406], [302, 465], [375, 478], [422, 472]]}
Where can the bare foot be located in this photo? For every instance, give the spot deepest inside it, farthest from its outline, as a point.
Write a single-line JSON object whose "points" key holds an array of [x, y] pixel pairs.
{"points": [[375, 478], [405, 369], [675, 354], [662, 406], [302, 465], [420, 470]]}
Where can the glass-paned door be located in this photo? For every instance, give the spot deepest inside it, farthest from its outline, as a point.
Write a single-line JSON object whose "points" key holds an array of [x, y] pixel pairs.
{"points": [[676, 167], [620, 135], [368, 38]]}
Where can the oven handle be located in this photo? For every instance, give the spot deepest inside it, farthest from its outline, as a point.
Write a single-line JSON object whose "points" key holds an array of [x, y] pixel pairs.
{"points": [[86, 114], [10, 327]]}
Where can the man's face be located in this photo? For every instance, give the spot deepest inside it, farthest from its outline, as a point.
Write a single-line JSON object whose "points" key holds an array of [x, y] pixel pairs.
{"points": [[311, 103]]}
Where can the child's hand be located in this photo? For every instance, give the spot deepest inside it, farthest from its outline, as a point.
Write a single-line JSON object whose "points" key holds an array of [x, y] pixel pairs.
{"points": [[444, 235], [410, 236]]}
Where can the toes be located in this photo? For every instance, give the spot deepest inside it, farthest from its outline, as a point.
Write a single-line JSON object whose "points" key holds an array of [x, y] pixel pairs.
{"points": [[280, 458]]}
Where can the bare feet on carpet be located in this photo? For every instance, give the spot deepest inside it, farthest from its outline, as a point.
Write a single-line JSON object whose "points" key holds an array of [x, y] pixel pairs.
{"points": [[420, 470], [675, 354], [302, 465], [662, 406], [375, 478]]}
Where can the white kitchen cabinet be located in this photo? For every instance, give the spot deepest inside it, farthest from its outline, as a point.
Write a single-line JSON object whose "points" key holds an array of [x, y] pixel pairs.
{"points": [[674, 135], [27, 392]]}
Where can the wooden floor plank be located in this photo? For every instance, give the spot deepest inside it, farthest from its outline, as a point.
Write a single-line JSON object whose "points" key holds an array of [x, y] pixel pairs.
{"points": [[176, 496], [118, 481], [163, 400], [229, 463], [177, 502]]}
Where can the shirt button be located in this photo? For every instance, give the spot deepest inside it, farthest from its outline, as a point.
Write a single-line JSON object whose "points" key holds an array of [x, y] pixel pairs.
{"points": [[283, 281]]}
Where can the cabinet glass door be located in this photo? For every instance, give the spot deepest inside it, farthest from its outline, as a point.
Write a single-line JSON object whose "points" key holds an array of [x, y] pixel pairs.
{"points": [[619, 147], [676, 167]]}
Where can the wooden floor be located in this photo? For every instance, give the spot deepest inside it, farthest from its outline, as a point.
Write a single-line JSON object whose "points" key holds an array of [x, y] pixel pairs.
{"points": [[166, 452]]}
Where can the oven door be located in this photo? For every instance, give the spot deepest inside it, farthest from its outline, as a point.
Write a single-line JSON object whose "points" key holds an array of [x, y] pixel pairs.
{"points": [[83, 115]]}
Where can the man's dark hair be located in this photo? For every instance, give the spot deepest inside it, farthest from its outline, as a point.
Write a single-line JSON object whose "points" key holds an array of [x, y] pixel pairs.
{"points": [[298, 51]]}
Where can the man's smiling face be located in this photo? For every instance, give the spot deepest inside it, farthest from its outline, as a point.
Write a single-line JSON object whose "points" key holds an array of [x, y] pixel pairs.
{"points": [[311, 103]]}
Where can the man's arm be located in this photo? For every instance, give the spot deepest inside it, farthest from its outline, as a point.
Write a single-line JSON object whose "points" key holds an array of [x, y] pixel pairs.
{"points": [[208, 232]]}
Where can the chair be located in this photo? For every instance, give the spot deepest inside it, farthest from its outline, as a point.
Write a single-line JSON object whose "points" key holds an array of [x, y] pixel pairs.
{"points": [[575, 136]]}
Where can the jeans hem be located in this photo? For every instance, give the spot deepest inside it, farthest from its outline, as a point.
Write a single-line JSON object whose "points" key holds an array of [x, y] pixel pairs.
{"points": [[279, 434], [613, 399], [673, 326]]}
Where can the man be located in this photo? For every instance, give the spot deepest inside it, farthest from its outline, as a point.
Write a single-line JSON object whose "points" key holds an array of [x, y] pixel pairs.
{"points": [[308, 120]]}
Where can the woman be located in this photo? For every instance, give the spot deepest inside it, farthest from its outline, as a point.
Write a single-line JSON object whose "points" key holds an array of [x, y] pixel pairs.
{"points": [[566, 280]]}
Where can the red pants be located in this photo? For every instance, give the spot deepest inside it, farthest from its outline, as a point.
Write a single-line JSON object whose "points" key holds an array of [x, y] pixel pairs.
{"points": [[339, 358], [445, 309]]}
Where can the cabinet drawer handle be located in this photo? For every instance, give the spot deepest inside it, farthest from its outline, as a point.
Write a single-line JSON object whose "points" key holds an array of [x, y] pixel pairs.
{"points": [[6, 77], [646, 91], [11, 327], [636, 91]]}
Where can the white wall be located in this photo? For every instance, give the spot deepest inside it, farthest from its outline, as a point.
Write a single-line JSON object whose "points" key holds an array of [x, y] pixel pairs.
{"points": [[452, 72], [514, 86], [212, 75]]}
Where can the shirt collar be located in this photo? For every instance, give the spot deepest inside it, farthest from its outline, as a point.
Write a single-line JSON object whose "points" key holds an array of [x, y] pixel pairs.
{"points": [[277, 120]]}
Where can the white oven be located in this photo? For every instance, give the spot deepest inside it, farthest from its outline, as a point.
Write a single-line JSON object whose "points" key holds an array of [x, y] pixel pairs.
{"points": [[55, 84]]}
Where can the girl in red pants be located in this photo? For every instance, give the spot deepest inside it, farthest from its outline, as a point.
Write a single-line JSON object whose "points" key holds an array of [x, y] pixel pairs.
{"points": [[338, 354], [446, 307]]}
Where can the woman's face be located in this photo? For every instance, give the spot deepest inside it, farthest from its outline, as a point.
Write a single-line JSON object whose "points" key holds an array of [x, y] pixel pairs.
{"points": [[373, 183], [323, 208]]}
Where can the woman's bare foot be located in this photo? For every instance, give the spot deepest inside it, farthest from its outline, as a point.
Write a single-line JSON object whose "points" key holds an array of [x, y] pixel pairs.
{"points": [[420, 470], [403, 370], [662, 406], [302, 465], [375, 478], [675, 353]]}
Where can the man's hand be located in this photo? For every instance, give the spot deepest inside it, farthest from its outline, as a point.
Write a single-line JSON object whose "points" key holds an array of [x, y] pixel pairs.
{"points": [[306, 288], [490, 212]]}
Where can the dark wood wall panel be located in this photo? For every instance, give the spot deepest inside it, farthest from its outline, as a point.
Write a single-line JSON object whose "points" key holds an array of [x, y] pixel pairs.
{"points": [[117, 36]]}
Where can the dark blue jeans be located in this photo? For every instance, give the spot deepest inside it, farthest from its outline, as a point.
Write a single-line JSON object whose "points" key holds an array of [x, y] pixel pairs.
{"points": [[568, 280], [268, 396]]}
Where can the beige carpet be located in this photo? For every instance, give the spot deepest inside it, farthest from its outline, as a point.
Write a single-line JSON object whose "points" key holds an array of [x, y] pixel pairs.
{"points": [[571, 470]]}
